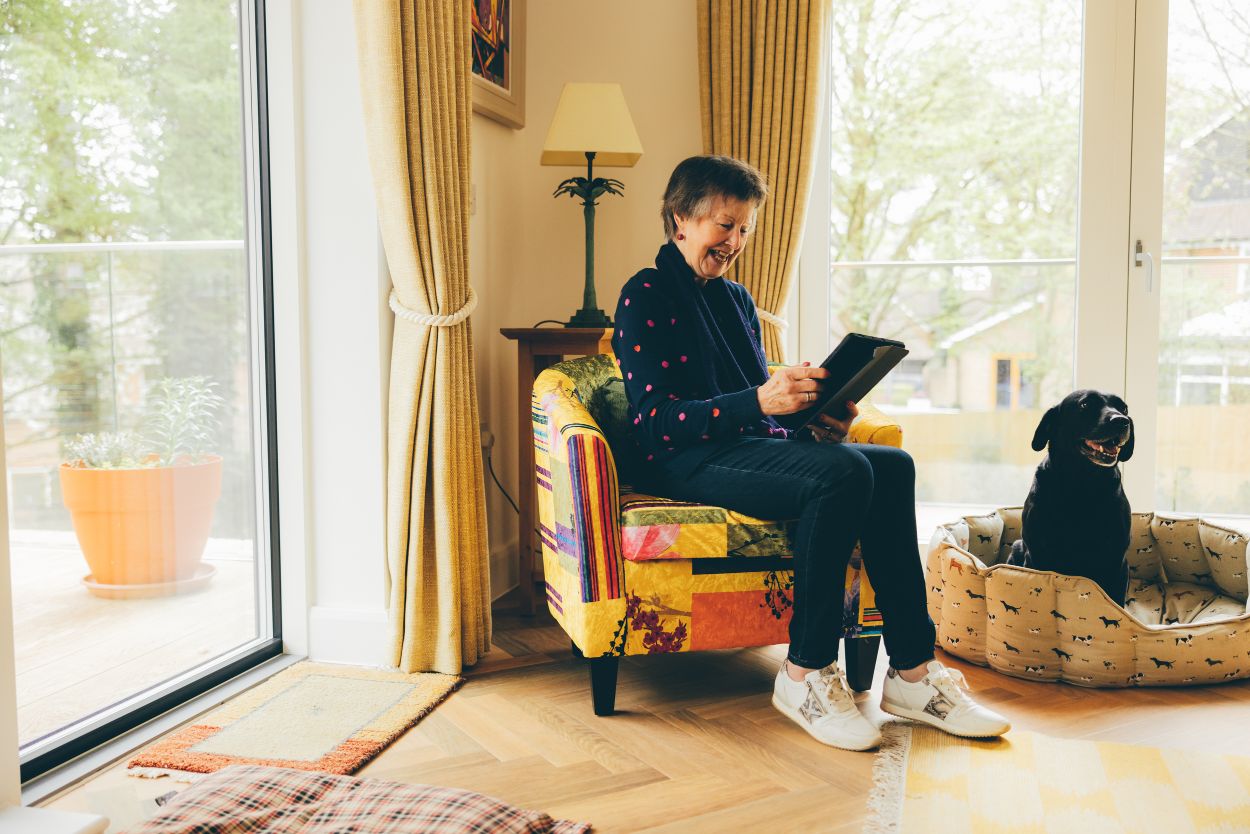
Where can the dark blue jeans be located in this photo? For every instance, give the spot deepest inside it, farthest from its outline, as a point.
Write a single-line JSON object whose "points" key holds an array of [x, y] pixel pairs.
{"points": [[840, 493]]}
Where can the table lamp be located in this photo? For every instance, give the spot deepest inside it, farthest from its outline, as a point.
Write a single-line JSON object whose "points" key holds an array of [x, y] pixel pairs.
{"points": [[591, 122]]}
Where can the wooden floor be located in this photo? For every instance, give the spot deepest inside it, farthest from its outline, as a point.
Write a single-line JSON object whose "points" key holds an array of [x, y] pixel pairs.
{"points": [[696, 746], [77, 653]]}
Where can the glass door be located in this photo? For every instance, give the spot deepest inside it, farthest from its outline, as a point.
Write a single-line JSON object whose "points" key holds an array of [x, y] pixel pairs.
{"points": [[993, 171], [134, 332], [954, 140], [1188, 359]]}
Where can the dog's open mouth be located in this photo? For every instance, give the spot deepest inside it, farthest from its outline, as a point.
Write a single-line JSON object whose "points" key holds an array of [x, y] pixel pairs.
{"points": [[1101, 452]]}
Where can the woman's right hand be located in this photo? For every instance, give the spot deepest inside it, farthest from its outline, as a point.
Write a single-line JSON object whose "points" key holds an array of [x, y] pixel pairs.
{"points": [[791, 389]]}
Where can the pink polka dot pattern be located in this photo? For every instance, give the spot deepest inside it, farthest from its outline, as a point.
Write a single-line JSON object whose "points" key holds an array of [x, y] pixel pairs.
{"points": [[648, 386], [715, 412], [683, 357], [663, 363], [681, 416], [627, 302], [650, 323]]}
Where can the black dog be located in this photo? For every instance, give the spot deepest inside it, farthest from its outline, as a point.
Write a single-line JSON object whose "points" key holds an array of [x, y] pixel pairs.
{"points": [[1076, 517]]}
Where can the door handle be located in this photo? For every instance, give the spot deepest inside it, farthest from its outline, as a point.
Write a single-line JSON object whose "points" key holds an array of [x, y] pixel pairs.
{"points": [[1138, 255]]}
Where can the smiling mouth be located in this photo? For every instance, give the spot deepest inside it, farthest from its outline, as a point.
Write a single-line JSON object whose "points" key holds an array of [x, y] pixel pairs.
{"points": [[1101, 452], [719, 256]]}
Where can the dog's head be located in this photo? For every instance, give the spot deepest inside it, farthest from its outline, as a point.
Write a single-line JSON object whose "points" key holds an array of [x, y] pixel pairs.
{"points": [[1087, 425]]}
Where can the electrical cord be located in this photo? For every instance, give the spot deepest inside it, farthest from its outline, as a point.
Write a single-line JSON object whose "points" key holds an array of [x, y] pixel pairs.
{"points": [[548, 321], [501, 489]]}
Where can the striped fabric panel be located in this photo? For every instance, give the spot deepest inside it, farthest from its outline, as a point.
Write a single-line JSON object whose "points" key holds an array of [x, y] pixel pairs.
{"points": [[540, 422], [554, 599], [595, 515]]}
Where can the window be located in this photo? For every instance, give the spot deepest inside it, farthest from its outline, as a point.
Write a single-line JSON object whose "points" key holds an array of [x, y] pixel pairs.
{"points": [[1015, 383], [960, 144], [953, 137], [133, 291]]}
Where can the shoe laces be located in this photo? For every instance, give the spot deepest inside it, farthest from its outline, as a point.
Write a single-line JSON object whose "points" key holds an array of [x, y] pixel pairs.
{"points": [[837, 690], [952, 684]]}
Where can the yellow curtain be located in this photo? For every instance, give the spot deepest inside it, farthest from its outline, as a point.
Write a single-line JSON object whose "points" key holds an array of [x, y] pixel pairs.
{"points": [[761, 68], [414, 78]]}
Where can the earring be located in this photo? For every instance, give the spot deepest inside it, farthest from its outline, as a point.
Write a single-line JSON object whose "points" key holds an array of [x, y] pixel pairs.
{"points": [[681, 236]]}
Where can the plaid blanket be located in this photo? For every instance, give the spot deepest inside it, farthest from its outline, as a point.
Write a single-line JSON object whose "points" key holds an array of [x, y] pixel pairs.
{"points": [[249, 798]]}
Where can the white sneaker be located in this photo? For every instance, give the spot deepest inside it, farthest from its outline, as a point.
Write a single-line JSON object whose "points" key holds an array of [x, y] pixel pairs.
{"points": [[823, 705], [940, 698]]}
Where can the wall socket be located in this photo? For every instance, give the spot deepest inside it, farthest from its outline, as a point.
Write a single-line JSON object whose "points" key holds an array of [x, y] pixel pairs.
{"points": [[488, 439]]}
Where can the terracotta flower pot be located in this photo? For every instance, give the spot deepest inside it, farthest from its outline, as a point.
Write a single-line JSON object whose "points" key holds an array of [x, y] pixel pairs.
{"points": [[142, 526]]}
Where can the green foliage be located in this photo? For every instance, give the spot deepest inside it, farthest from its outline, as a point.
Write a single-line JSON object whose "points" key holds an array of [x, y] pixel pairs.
{"points": [[949, 149], [106, 450], [182, 415], [178, 427]]}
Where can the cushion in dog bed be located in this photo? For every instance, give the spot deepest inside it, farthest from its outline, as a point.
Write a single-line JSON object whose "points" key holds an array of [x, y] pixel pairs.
{"points": [[1184, 620]]}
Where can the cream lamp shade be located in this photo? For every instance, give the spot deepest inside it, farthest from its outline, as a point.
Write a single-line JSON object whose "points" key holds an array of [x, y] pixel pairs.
{"points": [[592, 118]]}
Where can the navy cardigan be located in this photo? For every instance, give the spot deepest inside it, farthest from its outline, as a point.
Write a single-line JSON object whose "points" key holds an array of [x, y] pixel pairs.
{"points": [[692, 362]]}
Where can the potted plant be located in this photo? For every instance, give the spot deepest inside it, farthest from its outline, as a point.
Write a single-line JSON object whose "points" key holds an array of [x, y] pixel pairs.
{"points": [[142, 503]]}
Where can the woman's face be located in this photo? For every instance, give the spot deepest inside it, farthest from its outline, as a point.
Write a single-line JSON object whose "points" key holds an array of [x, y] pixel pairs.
{"points": [[713, 242]]}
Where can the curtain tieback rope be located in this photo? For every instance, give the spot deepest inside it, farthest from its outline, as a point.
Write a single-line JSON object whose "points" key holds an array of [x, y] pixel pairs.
{"points": [[431, 320], [776, 321]]}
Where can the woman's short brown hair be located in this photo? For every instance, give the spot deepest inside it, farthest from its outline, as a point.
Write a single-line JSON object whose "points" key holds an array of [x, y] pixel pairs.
{"points": [[699, 180]]}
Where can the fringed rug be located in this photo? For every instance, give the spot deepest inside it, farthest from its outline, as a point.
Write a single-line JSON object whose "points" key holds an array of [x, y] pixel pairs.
{"points": [[927, 781], [311, 716]]}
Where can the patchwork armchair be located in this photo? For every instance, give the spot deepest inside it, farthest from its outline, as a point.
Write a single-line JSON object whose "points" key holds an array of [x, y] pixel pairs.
{"points": [[630, 574]]}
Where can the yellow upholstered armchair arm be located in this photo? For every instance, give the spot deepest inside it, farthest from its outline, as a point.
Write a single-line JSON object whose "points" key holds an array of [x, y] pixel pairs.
{"points": [[578, 508], [875, 426]]}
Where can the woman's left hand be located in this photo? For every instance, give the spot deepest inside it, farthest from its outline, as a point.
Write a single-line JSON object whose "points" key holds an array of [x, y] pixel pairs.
{"points": [[833, 430]]}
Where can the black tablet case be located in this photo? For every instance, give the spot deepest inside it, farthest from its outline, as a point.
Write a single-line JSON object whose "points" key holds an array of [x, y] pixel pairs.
{"points": [[855, 366]]}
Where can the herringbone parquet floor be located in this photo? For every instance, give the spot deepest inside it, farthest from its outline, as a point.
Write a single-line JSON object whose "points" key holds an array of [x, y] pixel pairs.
{"points": [[696, 745]]}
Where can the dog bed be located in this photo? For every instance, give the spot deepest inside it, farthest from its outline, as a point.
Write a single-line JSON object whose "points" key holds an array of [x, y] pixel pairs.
{"points": [[1184, 620]]}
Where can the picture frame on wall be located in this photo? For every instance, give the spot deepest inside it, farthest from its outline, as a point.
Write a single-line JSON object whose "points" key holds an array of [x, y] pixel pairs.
{"points": [[498, 59]]}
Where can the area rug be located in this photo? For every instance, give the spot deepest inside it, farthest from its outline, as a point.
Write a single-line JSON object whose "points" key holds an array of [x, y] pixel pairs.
{"points": [[927, 781], [311, 716]]}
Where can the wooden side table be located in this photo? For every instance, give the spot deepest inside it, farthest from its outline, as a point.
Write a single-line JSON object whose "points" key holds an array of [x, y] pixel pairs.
{"points": [[538, 348]]}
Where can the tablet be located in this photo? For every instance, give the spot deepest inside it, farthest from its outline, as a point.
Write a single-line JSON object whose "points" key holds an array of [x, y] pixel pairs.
{"points": [[855, 366]]}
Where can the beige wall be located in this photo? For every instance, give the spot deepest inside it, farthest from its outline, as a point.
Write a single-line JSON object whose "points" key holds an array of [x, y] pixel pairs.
{"points": [[526, 249]]}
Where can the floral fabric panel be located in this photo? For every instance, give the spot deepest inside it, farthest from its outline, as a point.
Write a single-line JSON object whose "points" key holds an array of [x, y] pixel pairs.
{"points": [[693, 604]]}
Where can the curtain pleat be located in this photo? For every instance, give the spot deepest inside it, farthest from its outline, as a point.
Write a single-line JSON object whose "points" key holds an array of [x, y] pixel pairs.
{"points": [[414, 77], [761, 70]]}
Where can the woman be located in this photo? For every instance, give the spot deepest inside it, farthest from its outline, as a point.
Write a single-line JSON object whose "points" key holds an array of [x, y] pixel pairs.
{"points": [[703, 402]]}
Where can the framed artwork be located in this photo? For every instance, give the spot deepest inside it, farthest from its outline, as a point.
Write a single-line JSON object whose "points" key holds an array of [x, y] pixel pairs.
{"points": [[498, 59]]}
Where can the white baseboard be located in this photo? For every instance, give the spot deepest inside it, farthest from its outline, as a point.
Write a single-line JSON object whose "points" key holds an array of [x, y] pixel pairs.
{"points": [[504, 570], [356, 636]]}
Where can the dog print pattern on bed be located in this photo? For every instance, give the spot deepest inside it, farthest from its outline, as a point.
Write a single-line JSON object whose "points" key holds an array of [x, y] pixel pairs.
{"points": [[1184, 621]]}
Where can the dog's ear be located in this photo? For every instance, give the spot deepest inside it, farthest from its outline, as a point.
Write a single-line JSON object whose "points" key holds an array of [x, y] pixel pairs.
{"points": [[1126, 451], [1042, 436]]}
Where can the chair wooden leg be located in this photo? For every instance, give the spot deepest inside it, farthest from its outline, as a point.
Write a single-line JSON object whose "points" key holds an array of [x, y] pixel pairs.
{"points": [[603, 683], [602, 680], [861, 661]]}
